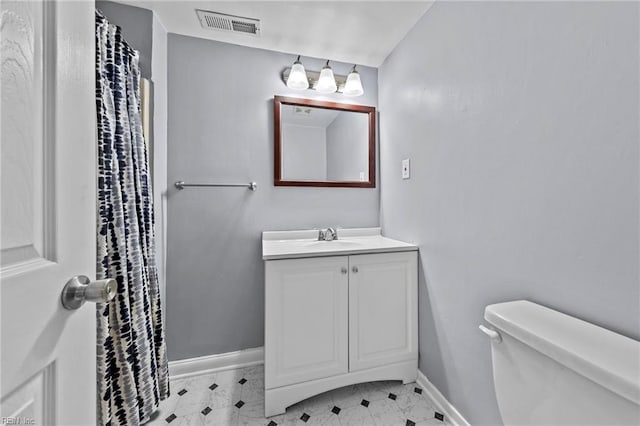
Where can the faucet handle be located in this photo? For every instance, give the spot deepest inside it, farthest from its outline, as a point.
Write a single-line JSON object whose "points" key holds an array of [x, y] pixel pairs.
{"points": [[328, 234]]}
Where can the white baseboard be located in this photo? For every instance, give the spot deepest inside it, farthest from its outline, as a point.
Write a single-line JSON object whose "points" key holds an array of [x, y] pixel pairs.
{"points": [[447, 408], [213, 363]]}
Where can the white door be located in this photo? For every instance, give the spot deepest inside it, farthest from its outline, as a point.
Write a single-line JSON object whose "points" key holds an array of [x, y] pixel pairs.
{"points": [[383, 309], [306, 314], [48, 198]]}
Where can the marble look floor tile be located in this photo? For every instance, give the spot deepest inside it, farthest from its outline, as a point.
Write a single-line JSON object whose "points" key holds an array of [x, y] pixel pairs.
{"points": [[348, 396], [293, 421], [253, 371], [191, 402], [320, 403], [189, 420], [194, 383], [230, 377], [318, 412], [253, 388], [222, 416], [415, 407], [176, 385], [385, 412], [434, 422], [397, 388], [373, 391], [313, 406], [294, 413], [167, 407], [324, 418], [252, 414], [355, 416], [225, 395], [247, 385]]}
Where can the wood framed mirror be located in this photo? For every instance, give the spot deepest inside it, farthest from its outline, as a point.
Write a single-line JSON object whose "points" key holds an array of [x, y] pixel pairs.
{"points": [[324, 144]]}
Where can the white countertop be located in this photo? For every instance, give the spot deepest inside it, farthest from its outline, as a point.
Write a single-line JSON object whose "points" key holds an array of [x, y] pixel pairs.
{"points": [[297, 244]]}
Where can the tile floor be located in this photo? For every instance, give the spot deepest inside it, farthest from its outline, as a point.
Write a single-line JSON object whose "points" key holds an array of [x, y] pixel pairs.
{"points": [[236, 397]]}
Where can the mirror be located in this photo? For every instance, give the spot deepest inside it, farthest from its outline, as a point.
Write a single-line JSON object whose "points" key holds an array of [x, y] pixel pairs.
{"points": [[320, 143]]}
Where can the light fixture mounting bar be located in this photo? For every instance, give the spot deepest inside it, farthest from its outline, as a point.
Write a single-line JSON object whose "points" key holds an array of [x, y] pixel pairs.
{"points": [[313, 77]]}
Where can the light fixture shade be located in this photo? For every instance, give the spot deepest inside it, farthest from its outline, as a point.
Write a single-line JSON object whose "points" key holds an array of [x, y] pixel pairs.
{"points": [[297, 77], [326, 82], [353, 86]]}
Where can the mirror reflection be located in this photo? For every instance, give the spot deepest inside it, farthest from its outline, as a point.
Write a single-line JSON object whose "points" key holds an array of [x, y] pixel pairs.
{"points": [[324, 144]]}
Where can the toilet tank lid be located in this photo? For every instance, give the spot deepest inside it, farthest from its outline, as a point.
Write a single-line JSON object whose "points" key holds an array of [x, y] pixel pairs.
{"points": [[607, 358]]}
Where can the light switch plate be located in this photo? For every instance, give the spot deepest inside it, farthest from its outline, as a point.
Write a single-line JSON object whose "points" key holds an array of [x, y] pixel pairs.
{"points": [[406, 169]]}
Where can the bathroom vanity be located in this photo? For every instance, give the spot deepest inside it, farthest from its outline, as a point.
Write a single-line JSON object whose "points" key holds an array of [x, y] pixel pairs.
{"points": [[337, 312]]}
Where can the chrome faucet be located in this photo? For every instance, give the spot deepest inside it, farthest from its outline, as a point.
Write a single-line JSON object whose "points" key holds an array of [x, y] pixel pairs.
{"points": [[328, 234]]}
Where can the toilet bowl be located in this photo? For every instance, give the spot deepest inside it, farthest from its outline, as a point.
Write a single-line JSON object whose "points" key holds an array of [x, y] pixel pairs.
{"points": [[552, 369]]}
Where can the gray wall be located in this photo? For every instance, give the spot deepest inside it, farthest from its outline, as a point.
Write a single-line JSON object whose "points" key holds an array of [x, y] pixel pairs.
{"points": [[521, 122], [304, 152], [348, 147], [221, 130], [137, 28]]}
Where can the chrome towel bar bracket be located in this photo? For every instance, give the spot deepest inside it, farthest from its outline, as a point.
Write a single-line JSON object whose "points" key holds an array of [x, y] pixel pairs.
{"points": [[181, 185]]}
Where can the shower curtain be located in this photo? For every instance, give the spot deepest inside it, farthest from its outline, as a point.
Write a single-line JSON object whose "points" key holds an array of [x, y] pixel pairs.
{"points": [[132, 363]]}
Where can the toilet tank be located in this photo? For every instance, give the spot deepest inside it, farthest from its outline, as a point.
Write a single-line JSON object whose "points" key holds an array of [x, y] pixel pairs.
{"points": [[552, 369]]}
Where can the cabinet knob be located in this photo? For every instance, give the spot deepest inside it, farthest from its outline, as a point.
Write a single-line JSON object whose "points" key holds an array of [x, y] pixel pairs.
{"points": [[354, 269], [344, 270]]}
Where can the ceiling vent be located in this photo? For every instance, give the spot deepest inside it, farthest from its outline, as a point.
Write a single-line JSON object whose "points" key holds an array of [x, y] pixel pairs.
{"points": [[303, 111], [231, 23]]}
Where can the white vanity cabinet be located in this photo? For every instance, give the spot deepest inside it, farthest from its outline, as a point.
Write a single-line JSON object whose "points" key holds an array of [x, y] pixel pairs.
{"points": [[306, 319], [335, 320], [383, 309]]}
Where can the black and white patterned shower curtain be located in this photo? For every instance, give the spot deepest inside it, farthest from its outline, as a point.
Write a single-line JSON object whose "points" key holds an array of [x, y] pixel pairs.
{"points": [[132, 363]]}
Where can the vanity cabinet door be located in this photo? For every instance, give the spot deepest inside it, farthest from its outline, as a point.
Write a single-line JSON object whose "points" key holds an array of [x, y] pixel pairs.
{"points": [[383, 309], [306, 314]]}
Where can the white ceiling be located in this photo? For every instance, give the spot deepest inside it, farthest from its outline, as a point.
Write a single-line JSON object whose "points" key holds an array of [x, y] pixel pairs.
{"points": [[360, 32]]}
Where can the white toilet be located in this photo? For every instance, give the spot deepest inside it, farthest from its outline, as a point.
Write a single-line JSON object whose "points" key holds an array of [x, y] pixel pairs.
{"points": [[553, 369]]}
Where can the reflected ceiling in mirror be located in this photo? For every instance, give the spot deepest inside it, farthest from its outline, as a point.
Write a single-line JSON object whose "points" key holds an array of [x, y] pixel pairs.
{"points": [[320, 143]]}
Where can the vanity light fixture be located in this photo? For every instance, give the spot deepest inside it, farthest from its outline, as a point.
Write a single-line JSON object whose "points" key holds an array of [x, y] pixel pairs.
{"points": [[298, 77], [353, 86], [326, 82]]}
